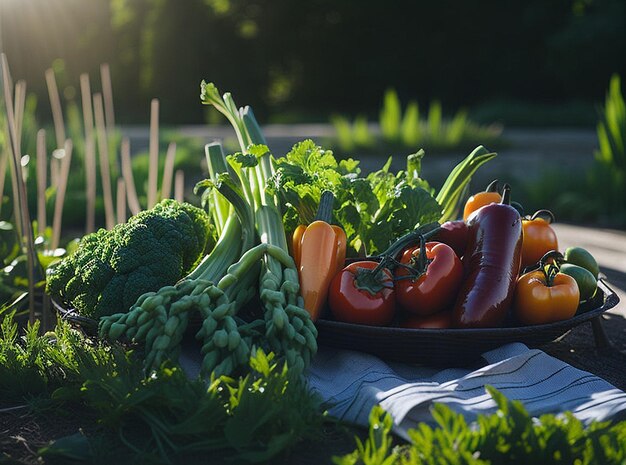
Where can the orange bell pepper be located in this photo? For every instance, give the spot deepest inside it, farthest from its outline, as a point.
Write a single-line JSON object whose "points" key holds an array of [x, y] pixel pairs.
{"points": [[539, 237], [544, 296], [480, 199]]}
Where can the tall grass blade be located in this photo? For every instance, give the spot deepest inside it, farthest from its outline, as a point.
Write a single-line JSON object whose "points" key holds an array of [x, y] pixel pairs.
{"points": [[611, 129], [410, 130], [456, 128], [343, 132], [435, 121], [361, 131], [390, 116]]}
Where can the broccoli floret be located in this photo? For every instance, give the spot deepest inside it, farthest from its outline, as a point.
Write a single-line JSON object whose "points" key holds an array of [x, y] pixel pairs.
{"points": [[111, 268]]}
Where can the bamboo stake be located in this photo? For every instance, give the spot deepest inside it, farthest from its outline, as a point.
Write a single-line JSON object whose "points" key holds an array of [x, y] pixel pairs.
{"points": [[12, 144], [20, 103], [179, 185], [14, 185], [168, 171], [60, 196], [107, 93], [4, 159], [105, 174], [42, 168], [55, 104], [55, 168], [121, 201], [3, 173], [22, 215], [153, 168], [90, 154], [129, 181]]}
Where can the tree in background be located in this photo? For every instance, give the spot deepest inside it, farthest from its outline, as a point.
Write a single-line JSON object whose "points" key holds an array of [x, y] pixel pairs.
{"points": [[307, 59]]}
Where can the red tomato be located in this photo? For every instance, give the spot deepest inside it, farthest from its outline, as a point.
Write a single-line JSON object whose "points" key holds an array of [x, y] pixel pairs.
{"points": [[439, 320], [427, 291], [358, 294]]}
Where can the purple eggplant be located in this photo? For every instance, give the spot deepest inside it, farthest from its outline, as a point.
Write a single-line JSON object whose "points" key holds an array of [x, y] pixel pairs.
{"points": [[454, 234], [492, 262]]}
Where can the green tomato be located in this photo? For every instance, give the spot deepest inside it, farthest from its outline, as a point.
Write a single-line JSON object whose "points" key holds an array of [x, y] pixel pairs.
{"points": [[579, 256], [587, 284]]}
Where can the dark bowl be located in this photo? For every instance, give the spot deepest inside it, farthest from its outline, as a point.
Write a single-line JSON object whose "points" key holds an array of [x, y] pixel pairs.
{"points": [[454, 347], [88, 325]]}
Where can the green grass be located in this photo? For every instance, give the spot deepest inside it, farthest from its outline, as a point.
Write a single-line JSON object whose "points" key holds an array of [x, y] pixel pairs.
{"points": [[401, 130]]}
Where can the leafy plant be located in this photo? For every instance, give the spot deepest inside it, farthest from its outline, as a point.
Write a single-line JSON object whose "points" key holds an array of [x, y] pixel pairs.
{"points": [[398, 130], [598, 194], [158, 419], [508, 436], [372, 209], [612, 128]]}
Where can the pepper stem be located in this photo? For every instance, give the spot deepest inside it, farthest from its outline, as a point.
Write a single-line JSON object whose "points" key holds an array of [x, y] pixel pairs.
{"points": [[506, 195], [325, 208], [545, 214], [493, 186]]}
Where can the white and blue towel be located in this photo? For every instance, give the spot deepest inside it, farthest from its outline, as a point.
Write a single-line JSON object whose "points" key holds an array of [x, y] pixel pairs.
{"points": [[351, 383]]}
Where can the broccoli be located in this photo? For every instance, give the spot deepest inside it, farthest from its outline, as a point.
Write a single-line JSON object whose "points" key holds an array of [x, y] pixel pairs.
{"points": [[111, 268]]}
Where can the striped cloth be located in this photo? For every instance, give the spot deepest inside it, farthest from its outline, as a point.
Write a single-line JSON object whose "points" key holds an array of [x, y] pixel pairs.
{"points": [[351, 383]]}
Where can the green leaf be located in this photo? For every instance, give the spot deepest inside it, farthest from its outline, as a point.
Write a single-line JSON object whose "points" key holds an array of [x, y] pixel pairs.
{"points": [[247, 160], [258, 150], [74, 447], [261, 363], [349, 166]]}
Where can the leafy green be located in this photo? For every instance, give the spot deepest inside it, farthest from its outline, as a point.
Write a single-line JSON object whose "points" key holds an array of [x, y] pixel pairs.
{"points": [[373, 210], [508, 436]]}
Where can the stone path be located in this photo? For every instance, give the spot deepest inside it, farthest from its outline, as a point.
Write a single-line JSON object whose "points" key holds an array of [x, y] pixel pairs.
{"points": [[578, 347]]}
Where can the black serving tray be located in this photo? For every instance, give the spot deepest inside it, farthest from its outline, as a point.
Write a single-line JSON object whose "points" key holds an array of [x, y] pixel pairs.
{"points": [[454, 347]]}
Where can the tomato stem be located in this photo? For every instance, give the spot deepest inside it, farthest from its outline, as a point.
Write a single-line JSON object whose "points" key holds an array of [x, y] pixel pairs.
{"points": [[550, 264], [418, 266], [372, 280], [427, 231]]}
